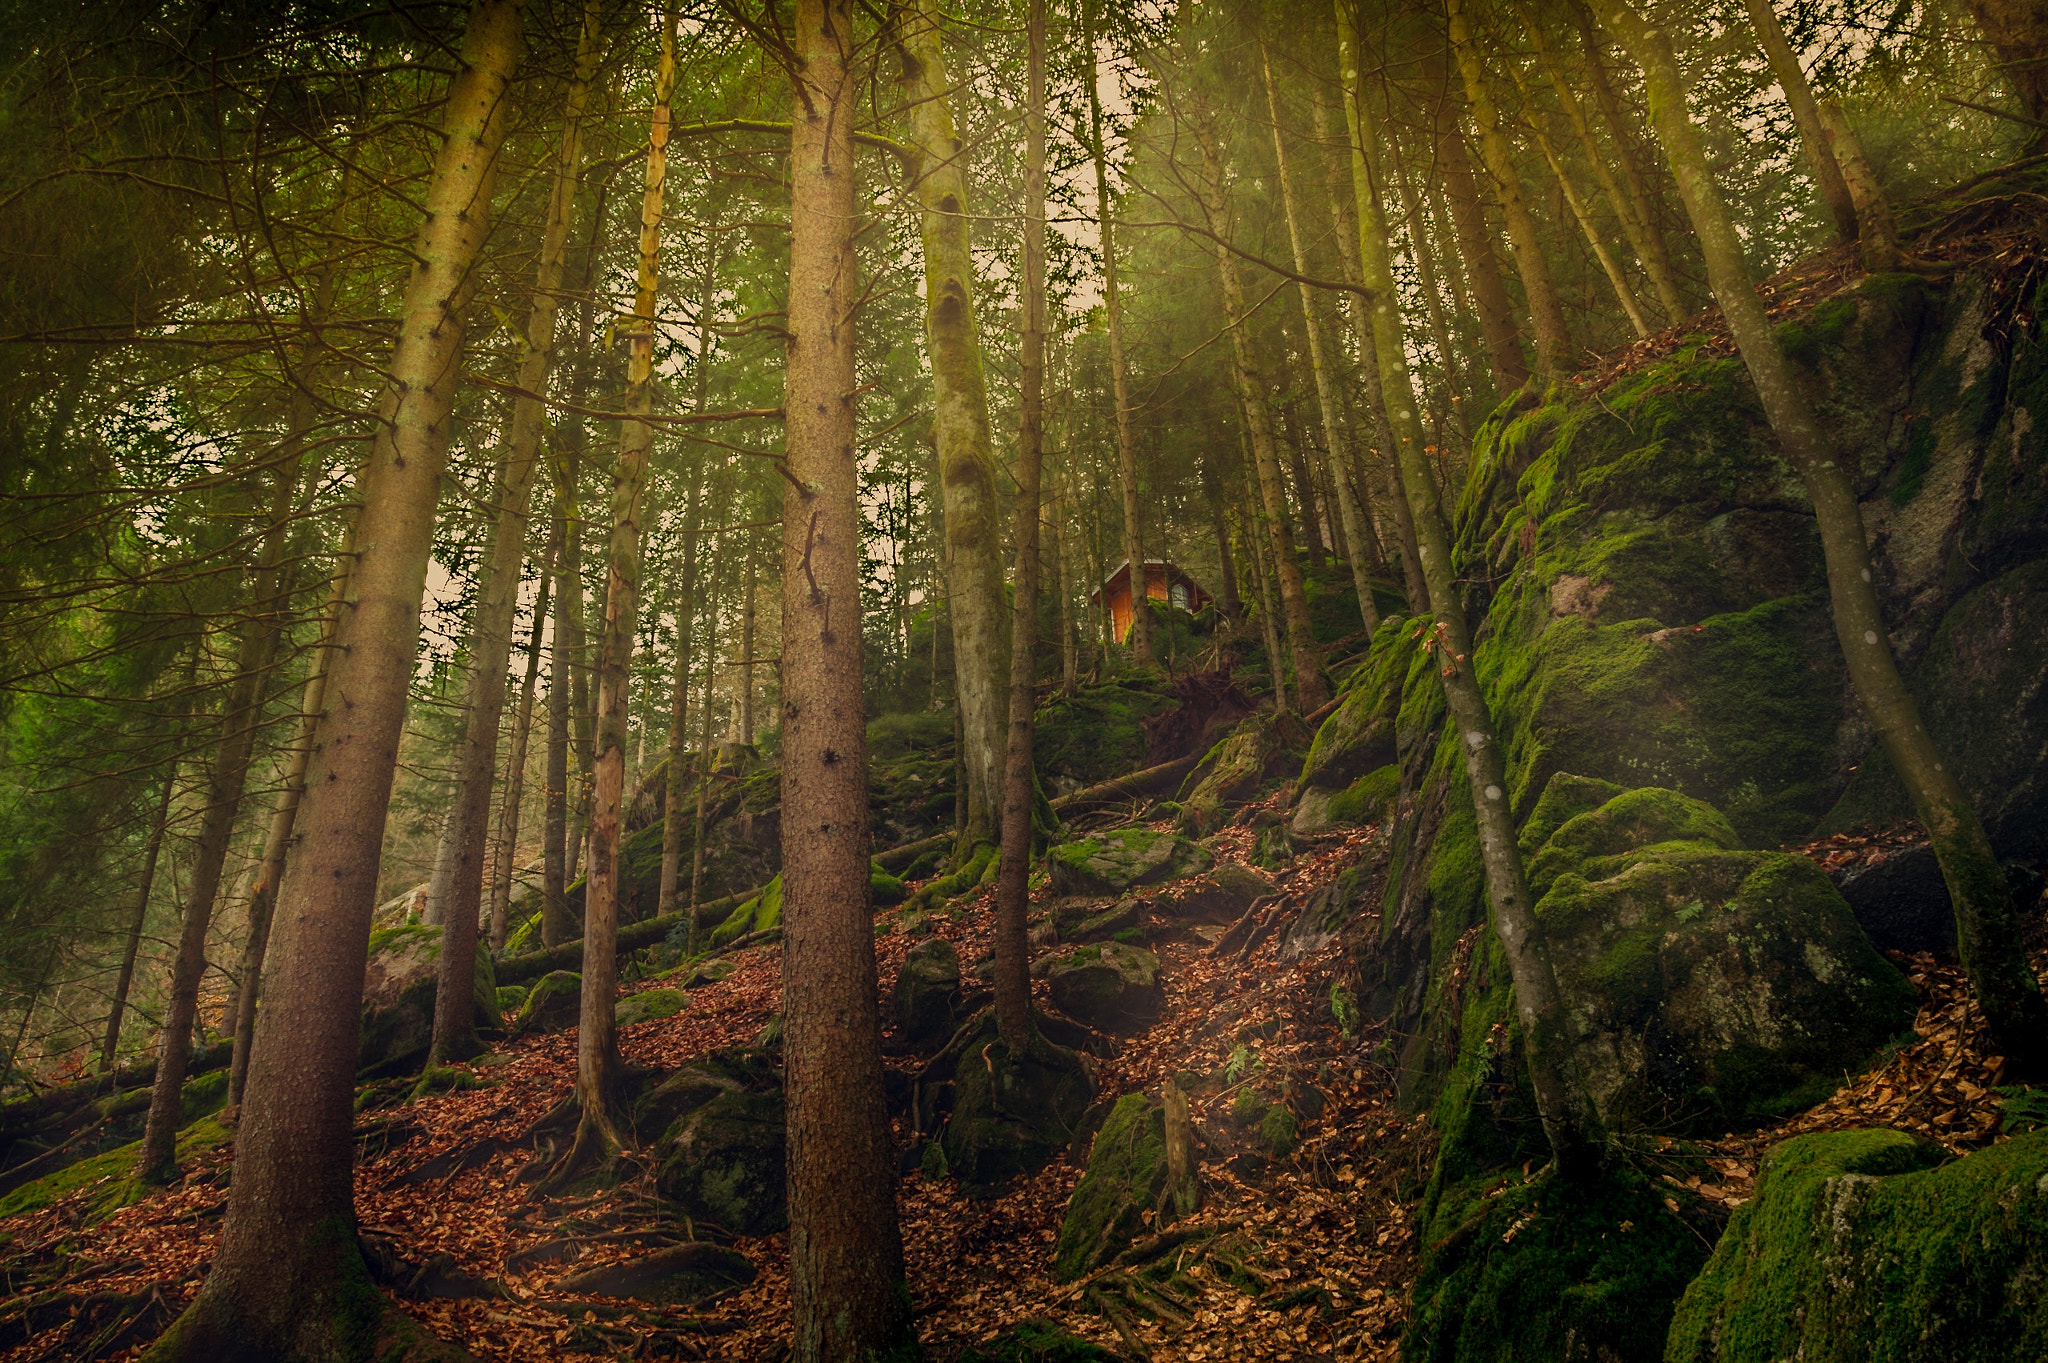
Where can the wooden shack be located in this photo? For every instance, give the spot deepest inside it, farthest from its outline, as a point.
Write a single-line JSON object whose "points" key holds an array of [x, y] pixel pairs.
{"points": [[1164, 581]]}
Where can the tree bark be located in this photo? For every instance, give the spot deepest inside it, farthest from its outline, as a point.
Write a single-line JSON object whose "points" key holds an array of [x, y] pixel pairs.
{"points": [[557, 923], [1142, 654], [960, 423], [1620, 125], [679, 702], [705, 751], [283, 819], [1013, 877], [1309, 687], [597, 1045], [1262, 578], [1987, 928], [847, 1294], [287, 1280], [747, 613], [1569, 1120], [1877, 234], [1813, 136], [1553, 337]]}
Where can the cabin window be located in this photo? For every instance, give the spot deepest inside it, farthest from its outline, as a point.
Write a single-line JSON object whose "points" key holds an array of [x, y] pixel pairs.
{"points": [[1179, 596]]}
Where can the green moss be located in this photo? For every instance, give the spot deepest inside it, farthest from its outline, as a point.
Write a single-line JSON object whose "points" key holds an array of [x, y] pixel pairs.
{"points": [[1866, 1245], [1278, 1131], [651, 1005], [1098, 732], [762, 912], [1553, 1270], [1367, 799], [108, 1180], [510, 997], [885, 889], [1126, 1171]]}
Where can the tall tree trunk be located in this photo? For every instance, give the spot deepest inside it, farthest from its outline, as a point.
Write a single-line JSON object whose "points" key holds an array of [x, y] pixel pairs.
{"points": [[1475, 236], [1299, 461], [287, 1280], [1987, 928], [1877, 234], [1310, 690], [960, 424], [1553, 337], [704, 747], [1432, 299], [1813, 136], [1226, 565], [1648, 246], [2018, 33], [1568, 1116], [1142, 654], [283, 819], [131, 942], [847, 1294], [1013, 877], [241, 717], [491, 638], [597, 1042], [498, 910]]}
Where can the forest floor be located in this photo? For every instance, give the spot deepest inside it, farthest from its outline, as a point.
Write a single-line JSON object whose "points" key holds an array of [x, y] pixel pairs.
{"points": [[1328, 1233]]}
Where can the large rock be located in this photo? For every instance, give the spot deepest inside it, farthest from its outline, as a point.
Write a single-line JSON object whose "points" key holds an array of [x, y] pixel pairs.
{"points": [[720, 1153], [552, 1004], [1096, 733], [1112, 985], [1109, 864], [1873, 1245], [1262, 748], [1706, 984], [650, 1005], [399, 983], [925, 990], [1359, 737], [1217, 896], [1126, 1179], [1012, 1114]]}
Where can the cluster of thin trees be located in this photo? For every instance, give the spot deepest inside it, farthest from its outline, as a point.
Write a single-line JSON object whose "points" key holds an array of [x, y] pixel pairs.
{"points": [[563, 334]]}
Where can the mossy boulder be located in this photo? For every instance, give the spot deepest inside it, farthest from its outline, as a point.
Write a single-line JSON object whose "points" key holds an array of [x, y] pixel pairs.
{"points": [[1874, 1247], [1125, 1179], [650, 1005], [1706, 984], [1262, 748], [551, 1004], [510, 997], [1096, 733], [1012, 1113], [1360, 737], [1369, 799], [1219, 895], [399, 984], [1112, 985], [108, 1179], [926, 987], [762, 912], [1553, 1269], [720, 1153], [1113, 863]]}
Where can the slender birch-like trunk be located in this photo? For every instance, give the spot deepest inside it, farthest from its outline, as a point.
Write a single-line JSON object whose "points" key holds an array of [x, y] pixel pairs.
{"points": [[498, 910], [131, 942], [1813, 135], [1496, 311], [1568, 1116], [960, 423], [597, 1045]]}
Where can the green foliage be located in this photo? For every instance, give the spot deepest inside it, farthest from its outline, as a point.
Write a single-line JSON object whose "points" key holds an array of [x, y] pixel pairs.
{"points": [[1096, 733]]}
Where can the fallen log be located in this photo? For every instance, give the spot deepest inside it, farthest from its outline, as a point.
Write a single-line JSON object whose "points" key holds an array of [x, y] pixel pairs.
{"points": [[1139, 785], [531, 965]]}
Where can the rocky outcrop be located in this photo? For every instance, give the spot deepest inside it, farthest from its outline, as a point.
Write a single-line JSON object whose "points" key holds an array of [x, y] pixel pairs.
{"points": [[1012, 1113], [1215, 896], [719, 1149], [1864, 1245], [1109, 864], [1112, 986], [1121, 1191], [926, 988], [399, 984], [1264, 748]]}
